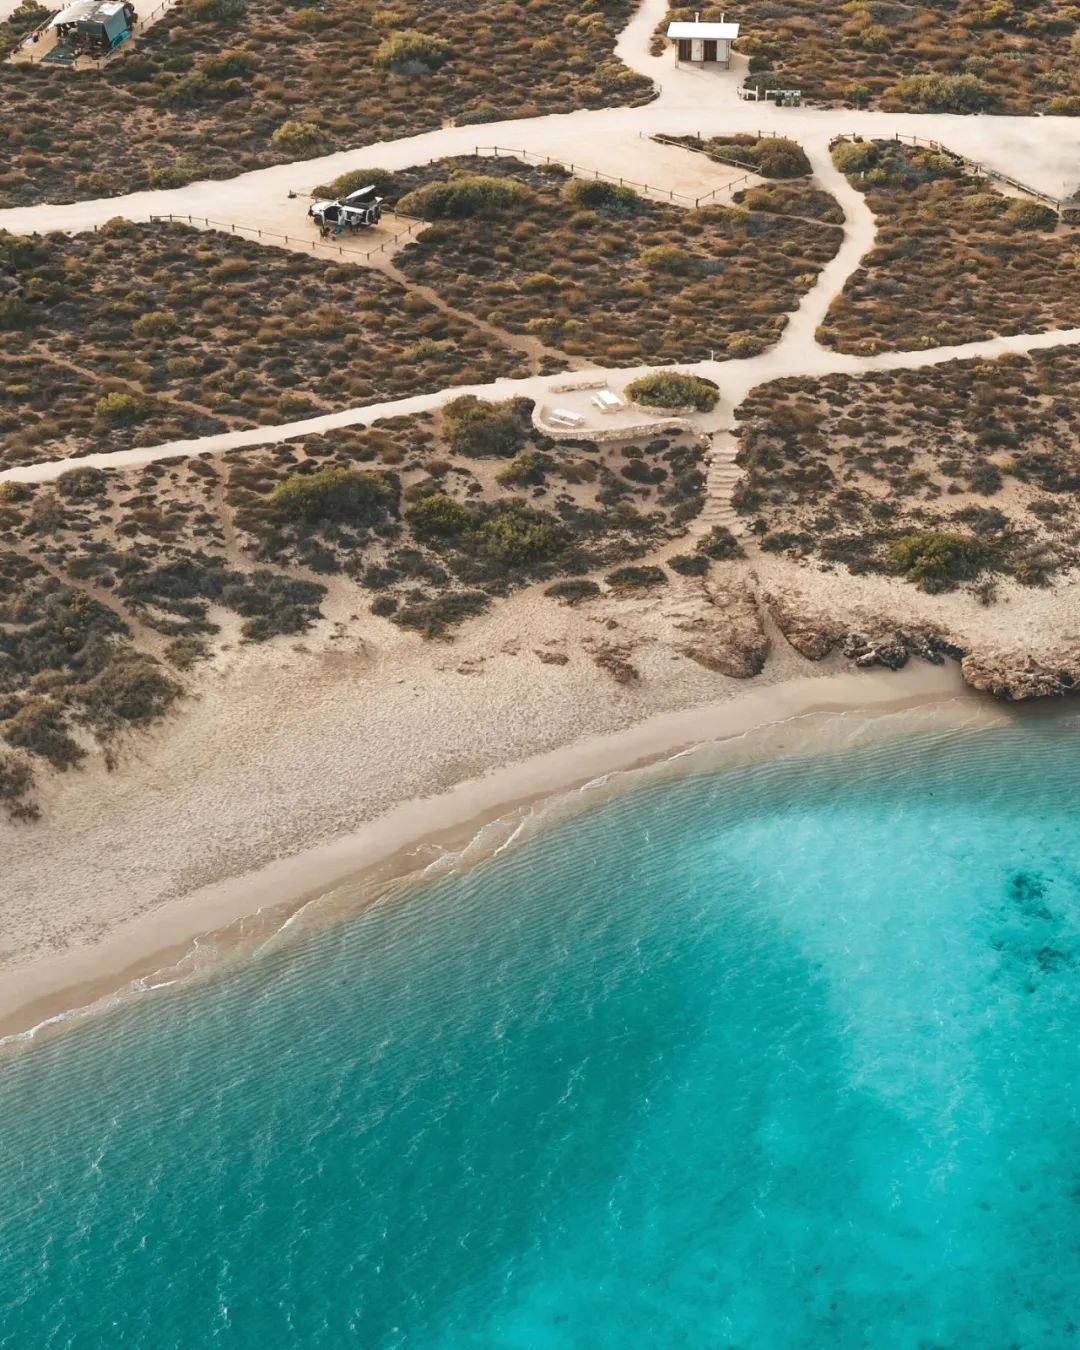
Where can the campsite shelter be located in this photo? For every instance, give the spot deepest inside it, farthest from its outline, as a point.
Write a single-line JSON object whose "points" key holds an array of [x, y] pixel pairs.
{"points": [[704, 43], [98, 23]]}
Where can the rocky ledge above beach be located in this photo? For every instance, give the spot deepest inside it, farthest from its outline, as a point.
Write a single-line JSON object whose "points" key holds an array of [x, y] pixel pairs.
{"points": [[880, 641], [1022, 675]]}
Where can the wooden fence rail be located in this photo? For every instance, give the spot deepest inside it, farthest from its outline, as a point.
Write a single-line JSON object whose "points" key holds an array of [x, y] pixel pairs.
{"points": [[973, 166], [293, 240], [580, 171]]}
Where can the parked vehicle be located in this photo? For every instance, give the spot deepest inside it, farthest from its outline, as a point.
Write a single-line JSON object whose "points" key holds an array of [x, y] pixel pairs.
{"points": [[358, 211]]}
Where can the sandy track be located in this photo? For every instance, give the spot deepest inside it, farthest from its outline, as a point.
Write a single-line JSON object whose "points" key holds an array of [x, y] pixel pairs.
{"points": [[736, 379]]}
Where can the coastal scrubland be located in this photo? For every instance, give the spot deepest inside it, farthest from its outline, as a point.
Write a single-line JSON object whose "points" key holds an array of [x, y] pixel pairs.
{"points": [[791, 192], [769, 156], [593, 269], [974, 56], [218, 87], [961, 473], [118, 583], [955, 260], [138, 334]]}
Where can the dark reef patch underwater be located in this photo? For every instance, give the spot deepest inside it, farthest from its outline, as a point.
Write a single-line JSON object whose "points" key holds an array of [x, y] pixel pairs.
{"points": [[783, 1056]]}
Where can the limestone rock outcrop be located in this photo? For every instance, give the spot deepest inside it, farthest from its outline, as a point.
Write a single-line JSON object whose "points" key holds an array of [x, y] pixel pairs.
{"points": [[1015, 676], [730, 636]]}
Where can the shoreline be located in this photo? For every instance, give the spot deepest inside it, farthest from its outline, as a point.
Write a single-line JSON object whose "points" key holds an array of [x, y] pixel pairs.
{"points": [[194, 933]]}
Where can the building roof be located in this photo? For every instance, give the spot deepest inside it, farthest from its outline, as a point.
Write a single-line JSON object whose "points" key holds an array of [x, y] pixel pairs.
{"points": [[725, 32]]}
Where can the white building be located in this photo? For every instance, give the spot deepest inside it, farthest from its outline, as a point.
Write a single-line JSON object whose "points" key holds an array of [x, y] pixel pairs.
{"points": [[705, 44]]}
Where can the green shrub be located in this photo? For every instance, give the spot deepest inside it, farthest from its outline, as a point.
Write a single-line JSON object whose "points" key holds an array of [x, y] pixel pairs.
{"points": [[855, 157], [573, 590], [742, 345], [720, 544], [177, 174], [432, 617], [770, 156], [614, 199], [669, 259], [157, 323], [524, 470], [438, 518], [40, 728], [131, 688], [1032, 216], [217, 11], [465, 196], [335, 494], [472, 117], [511, 534], [941, 93], [673, 389], [689, 564], [476, 428], [412, 51], [538, 283], [16, 785], [381, 179], [119, 227], [121, 410], [230, 65], [936, 560], [489, 538], [636, 577], [779, 157], [82, 483], [185, 652], [299, 136]]}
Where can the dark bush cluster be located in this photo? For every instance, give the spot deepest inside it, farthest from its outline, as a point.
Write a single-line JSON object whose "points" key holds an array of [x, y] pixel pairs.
{"points": [[65, 661], [1009, 56], [954, 261], [937, 474], [674, 389], [769, 156], [139, 334], [592, 269]]}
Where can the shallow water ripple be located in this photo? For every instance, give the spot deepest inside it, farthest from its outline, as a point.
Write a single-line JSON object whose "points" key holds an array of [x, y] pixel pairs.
{"points": [[784, 1056]]}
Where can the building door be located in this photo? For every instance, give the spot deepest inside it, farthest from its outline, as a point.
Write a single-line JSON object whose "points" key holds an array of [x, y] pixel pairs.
{"points": [[710, 49], [684, 49], [697, 49]]}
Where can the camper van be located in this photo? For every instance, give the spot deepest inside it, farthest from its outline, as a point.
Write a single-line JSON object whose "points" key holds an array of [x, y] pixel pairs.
{"points": [[358, 211]]}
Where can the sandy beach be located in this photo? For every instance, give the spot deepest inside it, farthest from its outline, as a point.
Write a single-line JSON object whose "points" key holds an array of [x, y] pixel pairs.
{"points": [[301, 764]]}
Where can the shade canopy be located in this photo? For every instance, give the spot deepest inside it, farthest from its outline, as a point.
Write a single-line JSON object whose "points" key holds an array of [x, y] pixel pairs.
{"points": [[79, 9]]}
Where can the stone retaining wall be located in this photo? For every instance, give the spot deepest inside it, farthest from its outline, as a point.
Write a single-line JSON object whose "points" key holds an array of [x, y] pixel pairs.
{"points": [[684, 410], [602, 434]]}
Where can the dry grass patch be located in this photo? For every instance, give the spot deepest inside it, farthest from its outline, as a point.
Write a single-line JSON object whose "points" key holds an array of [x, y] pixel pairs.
{"points": [[178, 332], [217, 89], [938, 474], [955, 261], [592, 269], [971, 56]]}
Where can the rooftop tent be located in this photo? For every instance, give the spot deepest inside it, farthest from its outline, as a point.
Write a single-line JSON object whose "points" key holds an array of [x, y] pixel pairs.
{"points": [[79, 9]]}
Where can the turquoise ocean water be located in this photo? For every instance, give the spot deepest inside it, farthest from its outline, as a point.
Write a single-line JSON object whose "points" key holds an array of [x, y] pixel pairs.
{"points": [[784, 1056]]}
